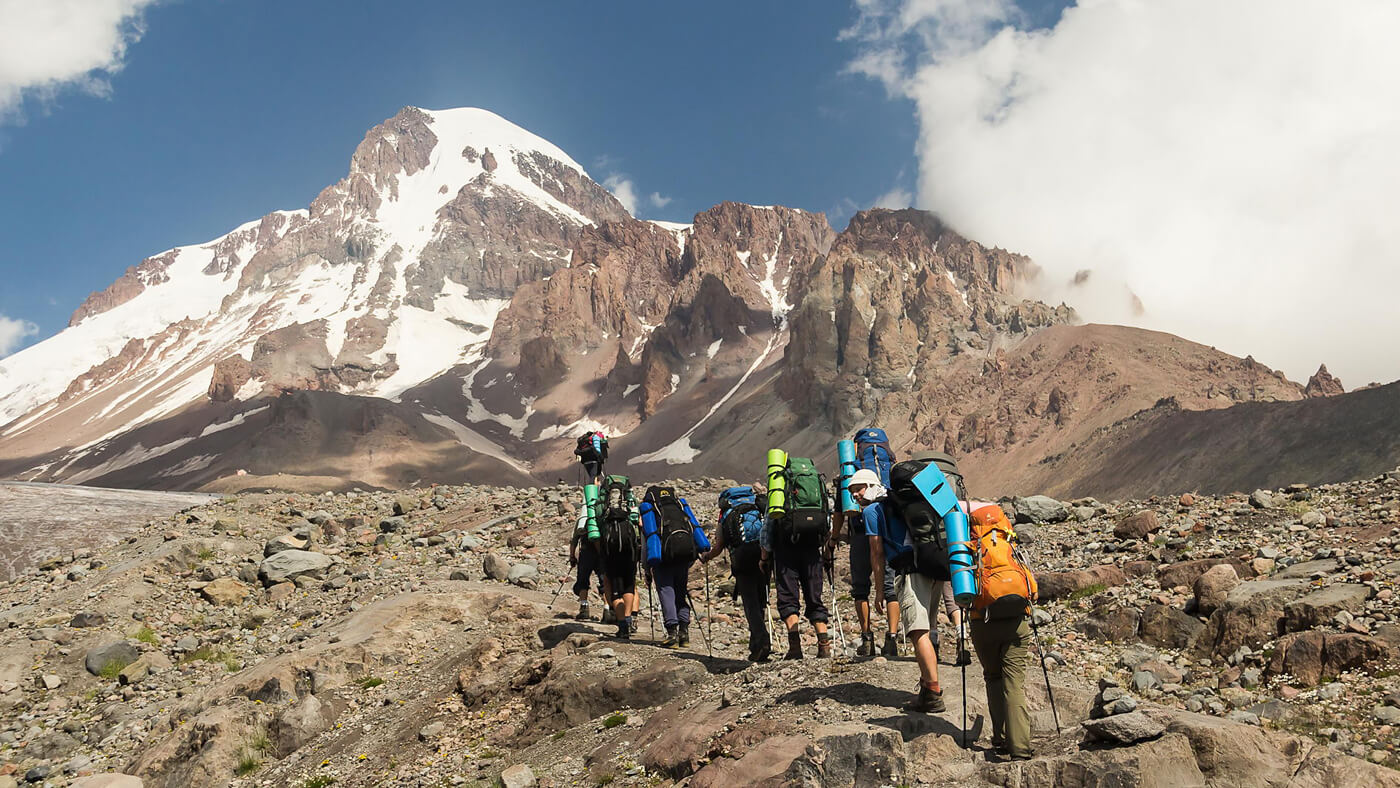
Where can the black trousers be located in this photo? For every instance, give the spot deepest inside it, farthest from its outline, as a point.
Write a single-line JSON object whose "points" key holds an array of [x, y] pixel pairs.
{"points": [[753, 592], [799, 568]]}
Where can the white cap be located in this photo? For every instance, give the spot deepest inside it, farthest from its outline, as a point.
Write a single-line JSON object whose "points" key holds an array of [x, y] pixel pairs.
{"points": [[864, 476]]}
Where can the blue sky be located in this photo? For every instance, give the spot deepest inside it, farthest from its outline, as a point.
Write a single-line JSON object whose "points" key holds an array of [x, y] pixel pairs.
{"points": [[227, 109]]}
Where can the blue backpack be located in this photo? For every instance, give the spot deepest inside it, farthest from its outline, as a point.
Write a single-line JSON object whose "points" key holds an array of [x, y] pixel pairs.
{"points": [[873, 451], [741, 518]]}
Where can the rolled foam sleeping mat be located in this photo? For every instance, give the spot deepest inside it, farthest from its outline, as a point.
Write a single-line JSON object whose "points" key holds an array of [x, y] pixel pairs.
{"points": [[935, 488], [590, 505], [777, 481], [846, 453]]}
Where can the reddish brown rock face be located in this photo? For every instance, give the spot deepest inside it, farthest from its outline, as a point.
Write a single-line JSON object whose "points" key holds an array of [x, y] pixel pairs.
{"points": [[1322, 384]]}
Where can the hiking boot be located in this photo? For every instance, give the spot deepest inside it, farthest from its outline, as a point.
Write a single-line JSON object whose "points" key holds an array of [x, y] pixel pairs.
{"points": [[608, 616], [823, 645], [761, 654], [891, 647], [927, 701], [867, 645], [583, 614], [671, 641], [624, 628], [794, 646], [683, 636], [964, 657]]}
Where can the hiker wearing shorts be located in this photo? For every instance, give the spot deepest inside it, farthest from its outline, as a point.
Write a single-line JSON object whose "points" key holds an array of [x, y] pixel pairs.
{"points": [[861, 573], [915, 591]]}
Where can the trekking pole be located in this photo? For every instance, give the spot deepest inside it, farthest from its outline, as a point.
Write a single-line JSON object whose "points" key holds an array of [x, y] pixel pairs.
{"points": [[558, 591], [1039, 645], [706, 638], [709, 629], [962, 623], [836, 612], [651, 611]]}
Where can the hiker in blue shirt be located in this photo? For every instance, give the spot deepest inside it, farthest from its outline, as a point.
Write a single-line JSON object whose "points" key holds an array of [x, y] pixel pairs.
{"points": [[917, 592], [674, 539]]}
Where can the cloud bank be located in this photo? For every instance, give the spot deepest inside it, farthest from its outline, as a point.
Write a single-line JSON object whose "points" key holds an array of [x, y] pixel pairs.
{"points": [[1231, 162], [13, 332], [47, 46], [625, 190]]}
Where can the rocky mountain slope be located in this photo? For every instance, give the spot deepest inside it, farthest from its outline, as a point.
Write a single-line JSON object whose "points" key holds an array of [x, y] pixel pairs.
{"points": [[467, 299], [415, 639]]}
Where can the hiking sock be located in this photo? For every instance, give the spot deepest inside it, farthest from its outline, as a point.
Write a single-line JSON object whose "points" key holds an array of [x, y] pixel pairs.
{"points": [[867, 645], [891, 647], [823, 645], [794, 646]]}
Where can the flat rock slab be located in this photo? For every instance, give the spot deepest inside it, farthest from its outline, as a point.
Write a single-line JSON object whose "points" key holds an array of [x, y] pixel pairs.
{"points": [[1129, 728], [44, 519]]}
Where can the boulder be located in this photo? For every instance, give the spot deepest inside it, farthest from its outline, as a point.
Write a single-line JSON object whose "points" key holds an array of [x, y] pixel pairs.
{"points": [[851, 753], [1138, 526], [285, 542], [1306, 570], [299, 724], [763, 766], [1321, 606], [225, 591], [1184, 573], [110, 657], [523, 575], [1213, 586], [404, 505], [291, 564], [1168, 627], [1312, 656], [1251, 615], [1112, 624], [676, 740], [517, 776], [1129, 728], [87, 619], [1058, 585], [1165, 762], [1261, 499], [496, 567], [1040, 509]]}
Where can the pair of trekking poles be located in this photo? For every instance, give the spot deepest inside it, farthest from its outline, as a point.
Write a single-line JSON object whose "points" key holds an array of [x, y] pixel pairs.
{"points": [[1040, 648]]}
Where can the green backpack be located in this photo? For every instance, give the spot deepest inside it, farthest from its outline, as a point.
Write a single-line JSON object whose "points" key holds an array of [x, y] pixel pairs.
{"points": [[809, 509]]}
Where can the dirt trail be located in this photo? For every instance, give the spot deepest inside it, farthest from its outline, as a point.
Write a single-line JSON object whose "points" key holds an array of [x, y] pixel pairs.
{"points": [[41, 520]]}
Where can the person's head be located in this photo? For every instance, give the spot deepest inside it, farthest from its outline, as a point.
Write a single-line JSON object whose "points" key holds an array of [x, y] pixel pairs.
{"points": [[865, 486]]}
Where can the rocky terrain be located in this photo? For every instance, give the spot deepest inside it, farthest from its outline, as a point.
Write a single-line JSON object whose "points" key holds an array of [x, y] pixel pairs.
{"points": [[415, 638], [467, 300]]}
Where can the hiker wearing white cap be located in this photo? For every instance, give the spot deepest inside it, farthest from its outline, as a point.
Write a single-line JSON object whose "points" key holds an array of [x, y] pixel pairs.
{"points": [[852, 526]]}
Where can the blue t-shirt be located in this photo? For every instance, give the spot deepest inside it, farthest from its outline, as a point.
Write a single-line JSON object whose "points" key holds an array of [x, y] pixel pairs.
{"points": [[882, 520]]}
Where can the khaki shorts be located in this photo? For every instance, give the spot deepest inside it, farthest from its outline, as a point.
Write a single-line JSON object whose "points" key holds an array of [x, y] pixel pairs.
{"points": [[917, 595]]}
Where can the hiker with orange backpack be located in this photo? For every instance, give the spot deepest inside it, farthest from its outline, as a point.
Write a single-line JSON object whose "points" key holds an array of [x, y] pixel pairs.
{"points": [[1001, 629]]}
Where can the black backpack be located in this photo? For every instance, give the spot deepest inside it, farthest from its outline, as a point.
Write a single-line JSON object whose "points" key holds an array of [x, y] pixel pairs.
{"points": [[741, 519], [930, 554], [616, 528], [672, 526], [585, 451]]}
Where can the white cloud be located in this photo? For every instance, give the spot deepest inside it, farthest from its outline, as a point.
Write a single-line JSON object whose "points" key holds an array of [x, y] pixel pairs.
{"points": [[13, 332], [895, 198], [624, 190], [1231, 161], [49, 45], [657, 200]]}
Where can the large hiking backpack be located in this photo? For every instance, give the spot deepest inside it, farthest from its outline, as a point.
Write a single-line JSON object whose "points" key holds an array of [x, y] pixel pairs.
{"points": [[949, 466], [930, 554], [808, 508], [1005, 585], [616, 512], [586, 450], [672, 526], [600, 445], [873, 451], [741, 521]]}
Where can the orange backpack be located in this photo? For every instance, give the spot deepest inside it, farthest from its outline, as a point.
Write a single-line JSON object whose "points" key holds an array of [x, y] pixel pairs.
{"points": [[1005, 586]]}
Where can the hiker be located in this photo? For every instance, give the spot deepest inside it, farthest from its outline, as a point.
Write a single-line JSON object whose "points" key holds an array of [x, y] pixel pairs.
{"points": [[592, 452], [887, 534], [674, 539], [861, 573], [740, 524], [583, 554], [614, 525], [791, 545], [1001, 632]]}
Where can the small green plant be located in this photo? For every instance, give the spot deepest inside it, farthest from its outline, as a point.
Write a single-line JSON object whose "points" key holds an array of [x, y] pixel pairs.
{"points": [[559, 735], [112, 669], [615, 719], [248, 763], [606, 779], [145, 635], [260, 742], [232, 665], [205, 554], [370, 682], [319, 781], [1088, 591]]}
